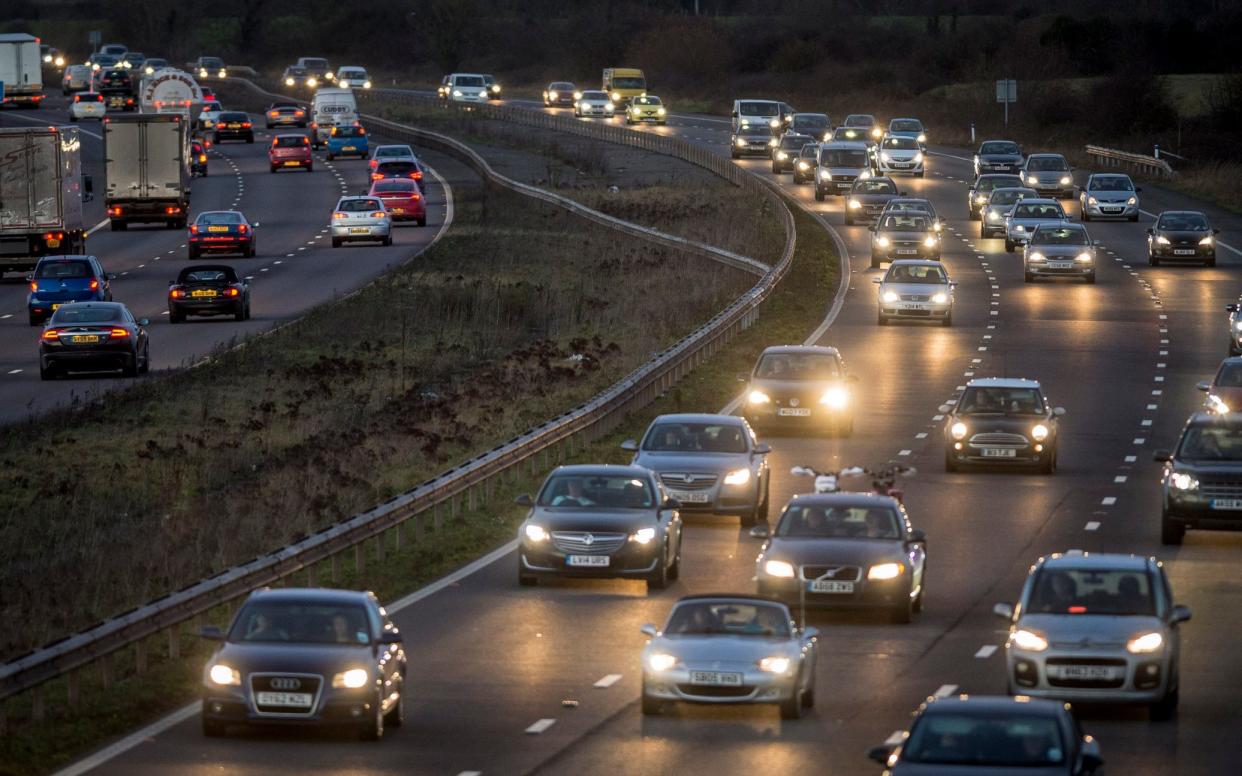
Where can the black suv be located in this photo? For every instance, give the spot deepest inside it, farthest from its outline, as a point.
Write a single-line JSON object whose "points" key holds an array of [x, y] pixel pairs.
{"points": [[1202, 478]]}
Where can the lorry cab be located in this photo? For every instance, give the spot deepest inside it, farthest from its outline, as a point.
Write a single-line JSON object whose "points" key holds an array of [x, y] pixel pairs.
{"points": [[623, 84]]}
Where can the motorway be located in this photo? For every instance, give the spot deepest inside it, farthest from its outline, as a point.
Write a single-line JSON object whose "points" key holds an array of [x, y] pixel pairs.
{"points": [[491, 663], [295, 269]]}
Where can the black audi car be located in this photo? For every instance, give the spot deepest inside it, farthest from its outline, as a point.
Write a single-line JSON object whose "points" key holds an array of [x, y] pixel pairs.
{"points": [[299, 656], [785, 155], [1182, 235], [868, 197], [208, 289], [844, 551], [981, 190], [234, 125], [799, 387], [600, 521], [1001, 421], [1202, 477], [90, 336], [998, 156]]}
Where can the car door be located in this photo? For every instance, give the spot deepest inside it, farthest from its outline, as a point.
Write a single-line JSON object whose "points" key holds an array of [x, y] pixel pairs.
{"points": [[392, 664]]}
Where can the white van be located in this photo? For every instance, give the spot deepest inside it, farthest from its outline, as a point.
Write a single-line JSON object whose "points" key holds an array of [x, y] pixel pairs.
{"points": [[331, 106], [466, 87]]}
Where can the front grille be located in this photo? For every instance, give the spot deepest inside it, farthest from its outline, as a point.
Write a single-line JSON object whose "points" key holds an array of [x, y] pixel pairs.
{"points": [[713, 691], [841, 573], [1221, 488], [575, 542], [1101, 684], [915, 298], [844, 178], [299, 683], [997, 438], [690, 481]]}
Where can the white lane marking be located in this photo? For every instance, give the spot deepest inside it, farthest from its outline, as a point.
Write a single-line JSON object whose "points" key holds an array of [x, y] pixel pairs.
{"points": [[1159, 379], [986, 651], [6, 315], [1093, 525], [937, 417], [1119, 478], [97, 759], [1145, 423], [1157, 393], [14, 371], [1131, 458], [921, 435], [1108, 501], [1153, 406], [945, 690], [904, 452], [164, 313], [453, 578], [607, 681], [96, 227], [540, 726], [471, 773], [1139, 440]]}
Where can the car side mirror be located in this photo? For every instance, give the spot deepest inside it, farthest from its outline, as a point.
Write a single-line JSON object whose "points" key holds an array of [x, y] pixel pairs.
{"points": [[1180, 614], [649, 629], [524, 500], [1203, 385], [763, 448], [904, 193], [1058, 411], [671, 503], [918, 535], [1231, 308], [1003, 611], [880, 753], [211, 633], [30, 278], [743, 378], [1162, 456], [111, 276], [945, 408], [760, 532], [810, 633], [630, 445], [144, 321]]}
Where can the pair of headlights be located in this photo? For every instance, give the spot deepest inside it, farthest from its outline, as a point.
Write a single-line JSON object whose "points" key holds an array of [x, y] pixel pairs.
{"points": [[1139, 644], [835, 398], [877, 572], [892, 297], [537, 533], [1162, 240], [959, 430], [660, 662], [227, 676], [1083, 257]]}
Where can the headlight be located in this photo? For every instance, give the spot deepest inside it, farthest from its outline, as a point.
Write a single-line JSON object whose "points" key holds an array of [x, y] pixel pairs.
{"points": [[774, 123], [745, 124], [891, 297], [47, 57], [929, 241], [864, 175], [773, 143], [660, 111], [807, 166], [224, 675], [824, 175], [940, 297], [1218, 404], [577, 95], [994, 215], [778, 568], [329, 76], [313, 82], [202, 72], [877, 133], [741, 142], [288, 81], [758, 397], [351, 679], [536, 533], [1066, 180], [918, 157], [1145, 642], [921, 139], [60, 61], [737, 477], [366, 84], [1084, 257], [1237, 326], [1162, 239], [1132, 201], [958, 430], [1183, 481], [855, 204], [1205, 241], [774, 665], [836, 398], [1035, 255], [1019, 228], [495, 88], [1039, 433], [1032, 180], [1091, 201], [1029, 641], [782, 155], [981, 198], [659, 661], [885, 571], [616, 95], [885, 157], [882, 241], [483, 93], [457, 92], [644, 535], [222, 74]]}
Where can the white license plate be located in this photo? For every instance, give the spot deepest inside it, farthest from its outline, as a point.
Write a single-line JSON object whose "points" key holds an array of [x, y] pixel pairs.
{"points": [[716, 678], [359, 230], [589, 561], [1183, 252], [999, 452], [1089, 673], [911, 306], [793, 412], [900, 165], [690, 497], [1227, 503], [293, 700], [831, 586], [906, 251], [1060, 265]]}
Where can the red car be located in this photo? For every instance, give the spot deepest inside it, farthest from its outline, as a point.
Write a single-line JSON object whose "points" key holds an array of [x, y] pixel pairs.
{"points": [[290, 151], [403, 199]]}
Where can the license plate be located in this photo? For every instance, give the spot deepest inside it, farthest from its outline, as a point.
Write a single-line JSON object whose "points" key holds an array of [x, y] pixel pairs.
{"points": [[359, 230], [349, 148], [202, 293], [1227, 503], [591, 561], [911, 306], [53, 243], [233, 126], [217, 228], [56, 306], [900, 165], [1060, 265], [84, 339], [792, 412], [999, 452], [716, 678], [689, 497], [1183, 252], [906, 251], [843, 185], [831, 586], [294, 700], [397, 210], [292, 164], [1090, 673]]}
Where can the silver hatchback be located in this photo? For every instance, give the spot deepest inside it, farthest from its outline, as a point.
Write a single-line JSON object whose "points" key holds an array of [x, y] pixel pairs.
{"points": [[1061, 250], [1109, 195], [360, 218], [1028, 215]]}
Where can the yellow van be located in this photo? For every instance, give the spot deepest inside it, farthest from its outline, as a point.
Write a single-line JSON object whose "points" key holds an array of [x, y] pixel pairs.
{"points": [[623, 84]]}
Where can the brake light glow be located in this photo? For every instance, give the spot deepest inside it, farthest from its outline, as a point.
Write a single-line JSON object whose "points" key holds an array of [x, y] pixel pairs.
{"points": [[243, 228], [376, 176], [378, 214], [194, 229], [1078, 610], [339, 214], [246, 124], [119, 333], [94, 285], [176, 293], [202, 157], [231, 292], [115, 210], [34, 285], [51, 335], [172, 209]]}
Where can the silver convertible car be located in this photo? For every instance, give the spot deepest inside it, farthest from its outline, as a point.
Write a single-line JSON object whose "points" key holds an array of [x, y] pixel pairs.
{"points": [[730, 649], [708, 463]]}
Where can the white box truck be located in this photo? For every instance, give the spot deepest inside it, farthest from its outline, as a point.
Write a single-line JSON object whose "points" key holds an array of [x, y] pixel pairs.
{"points": [[332, 106], [146, 158], [21, 70], [41, 193]]}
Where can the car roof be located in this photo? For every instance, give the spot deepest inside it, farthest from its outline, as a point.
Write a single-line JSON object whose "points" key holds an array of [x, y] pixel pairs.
{"points": [[845, 499], [311, 594], [1109, 175], [1064, 225], [985, 704], [916, 263], [994, 175], [1076, 559], [845, 145], [472, 75], [1231, 420], [699, 417], [1015, 188], [602, 469], [1002, 382], [730, 597], [820, 349], [1039, 201]]}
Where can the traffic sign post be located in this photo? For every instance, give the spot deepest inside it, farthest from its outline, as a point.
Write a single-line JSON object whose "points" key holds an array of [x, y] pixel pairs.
{"points": [[96, 37], [1007, 92]]}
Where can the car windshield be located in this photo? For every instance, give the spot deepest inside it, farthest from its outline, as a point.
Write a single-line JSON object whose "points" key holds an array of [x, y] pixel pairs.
{"points": [[1211, 443], [860, 121], [732, 618], [905, 223], [291, 141], [999, 147], [629, 82], [594, 96], [874, 187], [75, 314], [997, 739], [234, 117], [301, 623], [901, 143], [843, 157], [817, 521], [992, 399], [809, 151], [1027, 210], [759, 109], [1116, 592], [790, 142], [206, 219], [798, 366], [561, 86], [905, 125], [358, 205], [646, 100], [211, 107], [315, 64], [396, 186], [696, 438], [1230, 375], [1111, 183], [117, 74], [1182, 222], [616, 491], [348, 132], [987, 183], [811, 121], [206, 276], [212, 62], [1046, 164], [1059, 236], [929, 274], [1007, 196], [468, 80], [63, 269]]}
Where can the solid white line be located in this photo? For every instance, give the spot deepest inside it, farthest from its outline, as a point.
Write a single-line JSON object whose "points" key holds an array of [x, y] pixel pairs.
{"points": [[6, 315], [1120, 478], [904, 452], [985, 651], [471, 773], [130, 741], [1139, 440], [608, 681], [97, 227], [453, 578], [540, 726], [945, 690]]}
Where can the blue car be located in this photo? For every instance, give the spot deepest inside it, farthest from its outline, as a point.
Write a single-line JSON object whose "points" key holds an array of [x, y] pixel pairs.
{"points": [[59, 280], [348, 141]]}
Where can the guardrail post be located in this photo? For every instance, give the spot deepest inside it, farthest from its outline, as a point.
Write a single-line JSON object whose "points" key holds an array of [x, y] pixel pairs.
{"points": [[336, 567], [438, 521], [396, 537], [105, 671], [140, 657], [311, 575], [379, 547], [71, 688], [174, 641], [36, 704], [419, 527], [470, 498], [360, 557]]}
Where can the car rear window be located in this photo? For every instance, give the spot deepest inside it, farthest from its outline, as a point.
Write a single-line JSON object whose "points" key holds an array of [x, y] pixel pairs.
{"points": [[205, 276], [696, 437], [906, 125], [230, 116], [859, 121], [291, 141], [1027, 210], [468, 80], [219, 218], [348, 132], [758, 109], [875, 187], [63, 269], [397, 168], [976, 741], [905, 223], [395, 185], [358, 205], [75, 314]]}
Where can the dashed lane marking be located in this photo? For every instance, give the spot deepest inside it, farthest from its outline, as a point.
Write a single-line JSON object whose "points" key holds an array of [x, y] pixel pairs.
{"points": [[986, 651], [540, 726], [1093, 525], [607, 681]]}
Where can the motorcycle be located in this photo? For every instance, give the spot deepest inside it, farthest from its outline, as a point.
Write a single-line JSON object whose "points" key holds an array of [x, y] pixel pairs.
{"points": [[883, 481]]}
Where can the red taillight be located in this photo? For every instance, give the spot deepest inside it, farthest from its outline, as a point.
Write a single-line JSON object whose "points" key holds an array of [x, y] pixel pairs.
{"points": [[34, 285], [202, 157], [114, 211], [375, 176], [51, 335], [246, 124], [176, 293], [193, 228], [94, 285], [171, 209], [1078, 610], [361, 131], [242, 228], [130, 101], [378, 214], [274, 114], [118, 333], [415, 197], [373, 164], [417, 175], [231, 292], [299, 113]]}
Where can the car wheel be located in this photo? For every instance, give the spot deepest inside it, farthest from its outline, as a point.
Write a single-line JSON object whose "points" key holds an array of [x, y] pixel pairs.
{"points": [[1210, 262], [849, 220], [918, 174], [1090, 279], [336, 242], [191, 253], [674, 571], [373, 729], [422, 222], [819, 194], [791, 708], [948, 319], [272, 167], [1171, 531], [213, 728], [808, 694], [975, 216], [950, 465], [735, 155], [46, 373], [881, 319], [131, 369], [1049, 464], [845, 430], [35, 321], [388, 241], [1164, 709], [331, 157], [1152, 260], [918, 602], [396, 715], [1008, 246], [310, 168], [250, 139], [1233, 349], [239, 314], [658, 579], [651, 706], [146, 360]]}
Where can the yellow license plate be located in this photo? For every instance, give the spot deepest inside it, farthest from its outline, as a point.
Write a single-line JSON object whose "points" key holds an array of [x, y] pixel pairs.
{"points": [[292, 164], [359, 230], [84, 338], [217, 228], [201, 293], [56, 306], [349, 148], [397, 210], [53, 243], [234, 126]]}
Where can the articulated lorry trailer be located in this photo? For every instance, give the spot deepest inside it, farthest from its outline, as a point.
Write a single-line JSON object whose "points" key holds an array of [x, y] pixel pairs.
{"points": [[41, 194]]}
